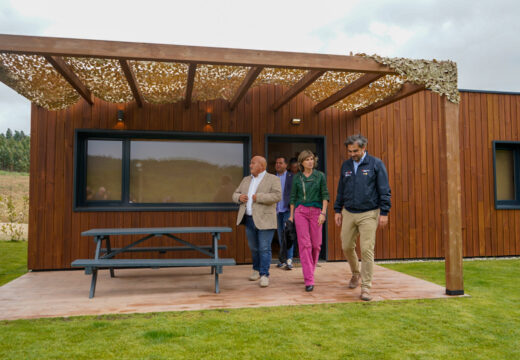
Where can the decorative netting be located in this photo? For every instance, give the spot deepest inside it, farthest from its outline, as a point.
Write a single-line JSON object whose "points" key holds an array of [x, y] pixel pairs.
{"points": [[161, 82], [36, 79], [437, 76], [217, 81], [103, 77], [165, 82]]}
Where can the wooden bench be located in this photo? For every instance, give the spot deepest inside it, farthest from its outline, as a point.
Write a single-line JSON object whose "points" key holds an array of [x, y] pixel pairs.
{"points": [[91, 266], [107, 261], [165, 249]]}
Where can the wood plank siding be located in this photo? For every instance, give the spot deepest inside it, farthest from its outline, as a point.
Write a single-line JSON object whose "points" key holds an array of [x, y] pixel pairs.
{"points": [[407, 135]]}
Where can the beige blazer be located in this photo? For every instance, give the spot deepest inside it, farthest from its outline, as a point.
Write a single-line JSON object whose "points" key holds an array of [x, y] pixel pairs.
{"points": [[269, 192]]}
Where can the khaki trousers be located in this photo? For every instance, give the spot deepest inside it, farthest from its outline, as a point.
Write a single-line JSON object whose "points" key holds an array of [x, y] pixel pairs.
{"points": [[365, 225]]}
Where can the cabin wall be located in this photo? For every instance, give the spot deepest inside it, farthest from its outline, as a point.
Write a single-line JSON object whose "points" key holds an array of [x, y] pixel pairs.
{"points": [[405, 135], [485, 117]]}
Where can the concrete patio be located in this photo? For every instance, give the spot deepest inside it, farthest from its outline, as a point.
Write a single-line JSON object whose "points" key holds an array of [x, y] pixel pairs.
{"points": [[65, 293]]}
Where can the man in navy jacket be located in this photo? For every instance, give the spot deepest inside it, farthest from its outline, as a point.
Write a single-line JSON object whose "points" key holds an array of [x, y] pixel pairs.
{"points": [[362, 204]]}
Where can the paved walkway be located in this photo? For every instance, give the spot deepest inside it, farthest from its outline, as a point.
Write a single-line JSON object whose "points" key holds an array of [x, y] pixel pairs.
{"points": [[65, 293]]}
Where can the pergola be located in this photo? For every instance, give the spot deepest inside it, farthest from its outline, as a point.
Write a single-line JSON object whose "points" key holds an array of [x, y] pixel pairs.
{"points": [[55, 73]]}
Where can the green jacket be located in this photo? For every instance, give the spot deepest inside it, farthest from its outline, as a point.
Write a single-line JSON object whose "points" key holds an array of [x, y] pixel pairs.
{"points": [[315, 189]]}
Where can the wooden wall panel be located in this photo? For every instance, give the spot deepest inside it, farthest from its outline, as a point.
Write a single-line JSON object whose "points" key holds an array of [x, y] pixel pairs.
{"points": [[405, 135], [486, 117]]}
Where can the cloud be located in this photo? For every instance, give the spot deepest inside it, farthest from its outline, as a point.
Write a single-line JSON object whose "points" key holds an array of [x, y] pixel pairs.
{"points": [[13, 22], [271, 24], [481, 36], [15, 111]]}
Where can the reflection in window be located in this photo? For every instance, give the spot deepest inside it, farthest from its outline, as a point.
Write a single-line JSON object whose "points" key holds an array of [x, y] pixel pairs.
{"points": [[505, 175], [184, 171], [133, 170], [104, 169]]}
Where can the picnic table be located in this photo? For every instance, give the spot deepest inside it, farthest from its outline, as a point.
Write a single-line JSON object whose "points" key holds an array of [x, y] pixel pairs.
{"points": [[104, 257]]}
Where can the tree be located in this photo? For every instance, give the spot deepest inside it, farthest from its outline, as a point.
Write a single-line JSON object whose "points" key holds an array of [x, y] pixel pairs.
{"points": [[14, 151]]}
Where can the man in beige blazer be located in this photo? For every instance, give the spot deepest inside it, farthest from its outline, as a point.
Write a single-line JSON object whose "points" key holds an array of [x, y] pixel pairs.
{"points": [[257, 195]]}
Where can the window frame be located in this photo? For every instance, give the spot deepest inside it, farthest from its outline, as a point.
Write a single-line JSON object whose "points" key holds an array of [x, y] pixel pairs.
{"points": [[81, 137], [515, 147]]}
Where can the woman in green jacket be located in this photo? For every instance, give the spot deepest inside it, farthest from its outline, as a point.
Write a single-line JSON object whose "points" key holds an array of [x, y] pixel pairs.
{"points": [[308, 205]]}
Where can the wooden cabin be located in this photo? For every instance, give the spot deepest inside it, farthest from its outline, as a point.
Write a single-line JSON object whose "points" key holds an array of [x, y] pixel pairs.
{"points": [[107, 116], [411, 153]]}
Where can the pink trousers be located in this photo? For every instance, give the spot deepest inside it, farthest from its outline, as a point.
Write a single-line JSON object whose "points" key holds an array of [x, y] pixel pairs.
{"points": [[309, 239]]}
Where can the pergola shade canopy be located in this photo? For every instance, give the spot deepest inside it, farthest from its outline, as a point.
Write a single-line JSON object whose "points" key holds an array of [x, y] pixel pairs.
{"points": [[55, 73]]}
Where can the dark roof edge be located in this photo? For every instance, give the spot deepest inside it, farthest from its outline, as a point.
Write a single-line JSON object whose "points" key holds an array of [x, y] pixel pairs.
{"points": [[490, 92]]}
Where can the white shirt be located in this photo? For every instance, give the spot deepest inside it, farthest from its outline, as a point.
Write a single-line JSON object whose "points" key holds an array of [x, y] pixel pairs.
{"points": [[253, 186]]}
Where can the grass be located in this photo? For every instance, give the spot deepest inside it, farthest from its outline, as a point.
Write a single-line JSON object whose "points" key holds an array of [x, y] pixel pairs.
{"points": [[15, 185], [13, 173], [13, 260], [483, 326]]}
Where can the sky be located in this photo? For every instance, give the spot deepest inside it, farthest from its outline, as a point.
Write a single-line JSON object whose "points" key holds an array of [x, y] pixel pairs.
{"points": [[482, 37]]}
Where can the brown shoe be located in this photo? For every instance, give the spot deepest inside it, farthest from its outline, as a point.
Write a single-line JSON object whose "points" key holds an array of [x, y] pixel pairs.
{"points": [[354, 281], [365, 295]]}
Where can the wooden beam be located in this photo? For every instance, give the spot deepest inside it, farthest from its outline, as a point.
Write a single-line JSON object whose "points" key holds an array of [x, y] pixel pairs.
{"points": [[347, 90], [51, 46], [130, 77], [450, 161], [407, 90], [297, 88], [246, 84], [189, 86], [64, 69]]}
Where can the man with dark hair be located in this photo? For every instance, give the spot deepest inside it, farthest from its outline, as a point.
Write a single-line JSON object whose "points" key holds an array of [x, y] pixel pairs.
{"points": [[362, 204], [293, 165], [282, 207]]}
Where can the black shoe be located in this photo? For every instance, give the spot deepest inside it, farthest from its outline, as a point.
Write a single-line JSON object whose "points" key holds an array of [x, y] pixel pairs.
{"points": [[309, 288]]}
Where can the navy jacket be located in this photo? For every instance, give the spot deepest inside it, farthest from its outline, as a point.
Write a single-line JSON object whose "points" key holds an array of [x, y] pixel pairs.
{"points": [[286, 196], [365, 190]]}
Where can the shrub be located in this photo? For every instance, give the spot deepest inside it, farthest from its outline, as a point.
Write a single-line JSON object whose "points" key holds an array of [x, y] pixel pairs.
{"points": [[13, 229]]}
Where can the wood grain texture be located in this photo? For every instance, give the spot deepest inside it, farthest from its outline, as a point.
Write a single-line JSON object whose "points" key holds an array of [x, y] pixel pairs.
{"points": [[52, 46], [451, 162], [407, 135], [132, 82], [68, 74]]}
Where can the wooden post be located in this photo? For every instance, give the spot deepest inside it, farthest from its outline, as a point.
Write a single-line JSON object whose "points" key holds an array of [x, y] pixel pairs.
{"points": [[453, 219]]}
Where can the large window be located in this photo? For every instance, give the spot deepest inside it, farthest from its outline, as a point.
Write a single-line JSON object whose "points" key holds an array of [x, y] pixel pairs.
{"points": [[104, 170], [507, 174], [128, 170]]}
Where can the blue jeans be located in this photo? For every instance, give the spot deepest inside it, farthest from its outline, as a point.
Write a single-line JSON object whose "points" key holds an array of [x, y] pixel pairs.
{"points": [[260, 245], [282, 218]]}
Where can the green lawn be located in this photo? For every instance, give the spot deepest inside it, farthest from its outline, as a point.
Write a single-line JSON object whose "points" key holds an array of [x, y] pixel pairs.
{"points": [[483, 326], [13, 260]]}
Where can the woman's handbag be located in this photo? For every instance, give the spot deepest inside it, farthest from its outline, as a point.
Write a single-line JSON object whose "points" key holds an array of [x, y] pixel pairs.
{"points": [[289, 239]]}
